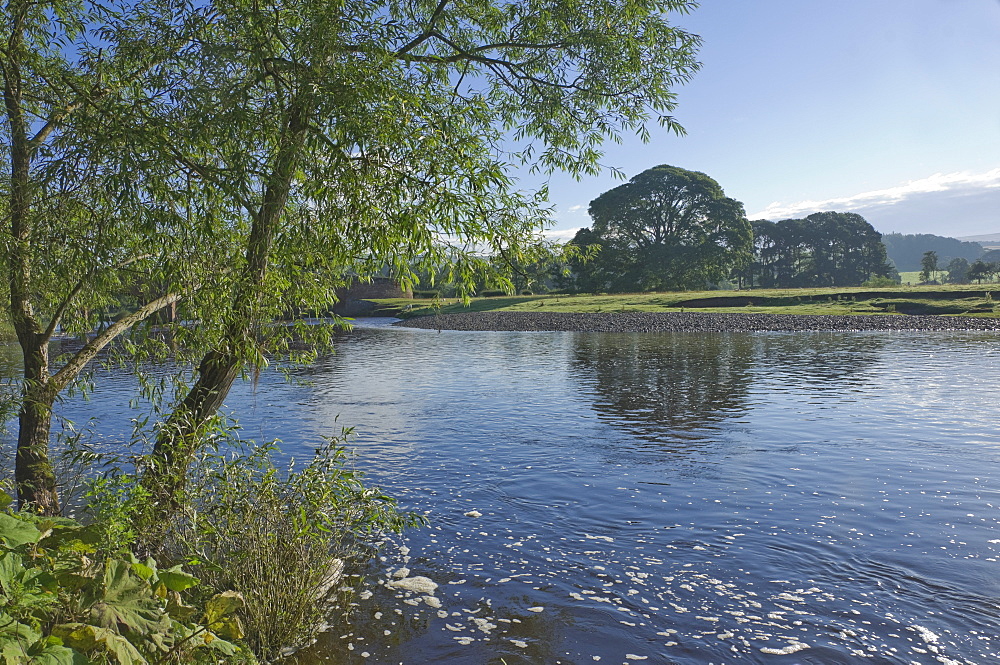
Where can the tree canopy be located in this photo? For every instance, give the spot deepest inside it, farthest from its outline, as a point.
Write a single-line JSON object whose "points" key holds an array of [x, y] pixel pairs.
{"points": [[928, 266], [824, 249], [958, 271], [667, 228], [249, 157]]}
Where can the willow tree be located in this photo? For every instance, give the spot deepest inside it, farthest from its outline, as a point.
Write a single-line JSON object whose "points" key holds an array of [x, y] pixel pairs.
{"points": [[81, 233], [349, 136]]}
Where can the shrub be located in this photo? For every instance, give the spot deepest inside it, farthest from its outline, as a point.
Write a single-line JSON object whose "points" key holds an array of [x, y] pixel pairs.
{"points": [[62, 603], [280, 537]]}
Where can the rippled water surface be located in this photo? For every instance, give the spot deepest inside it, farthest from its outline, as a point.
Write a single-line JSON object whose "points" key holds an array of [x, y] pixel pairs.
{"points": [[690, 499]]}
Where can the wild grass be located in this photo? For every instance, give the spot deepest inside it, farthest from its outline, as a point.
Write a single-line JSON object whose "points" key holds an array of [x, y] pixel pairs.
{"points": [[280, 537]]}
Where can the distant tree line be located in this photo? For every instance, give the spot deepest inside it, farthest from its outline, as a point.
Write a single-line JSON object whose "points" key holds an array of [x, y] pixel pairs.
{"points": [[673, 229], [824, 249], [961, 271]]}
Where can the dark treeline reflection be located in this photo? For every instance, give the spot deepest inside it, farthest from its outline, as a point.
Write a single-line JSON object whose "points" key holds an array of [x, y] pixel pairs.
{"points": [[818, 361], [681, 387], [665, 386]]}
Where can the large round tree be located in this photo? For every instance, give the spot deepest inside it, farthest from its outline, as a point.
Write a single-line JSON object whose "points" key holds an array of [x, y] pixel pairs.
{"points": [[670, 228]]}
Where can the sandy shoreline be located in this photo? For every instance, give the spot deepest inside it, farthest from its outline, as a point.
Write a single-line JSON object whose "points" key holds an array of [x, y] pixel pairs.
{"points": [[691, 322]]}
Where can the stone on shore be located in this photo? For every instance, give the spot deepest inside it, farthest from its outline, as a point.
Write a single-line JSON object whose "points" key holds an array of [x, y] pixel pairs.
{"points": [[699, 322]]}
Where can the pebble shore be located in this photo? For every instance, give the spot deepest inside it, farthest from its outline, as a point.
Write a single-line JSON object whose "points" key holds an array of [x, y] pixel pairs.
{"points": [[631, 322]]}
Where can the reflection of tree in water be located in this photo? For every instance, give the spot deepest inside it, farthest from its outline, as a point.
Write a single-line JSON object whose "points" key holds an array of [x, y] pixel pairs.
{"points": [[811, 361], [681, 386], [664, 386]]}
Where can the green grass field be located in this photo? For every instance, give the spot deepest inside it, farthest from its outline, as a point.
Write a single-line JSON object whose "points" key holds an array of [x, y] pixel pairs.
{"points": [[914, 278], [955, 300]]}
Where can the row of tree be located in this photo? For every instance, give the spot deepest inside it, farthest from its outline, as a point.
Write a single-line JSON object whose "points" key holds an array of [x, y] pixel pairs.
{"points": [[824, 249], [670, 229], [959, 270]]}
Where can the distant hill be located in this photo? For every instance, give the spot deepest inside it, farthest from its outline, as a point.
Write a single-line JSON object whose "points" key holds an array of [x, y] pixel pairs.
{"points": [[989, 241], [988, 238], [906, 249]]}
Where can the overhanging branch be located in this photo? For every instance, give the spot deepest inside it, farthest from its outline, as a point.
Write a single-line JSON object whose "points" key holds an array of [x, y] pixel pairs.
{"points": [[80, 359]]}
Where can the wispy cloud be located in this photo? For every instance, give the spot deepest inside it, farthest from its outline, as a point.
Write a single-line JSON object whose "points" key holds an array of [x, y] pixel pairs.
{"points": [[948, 185], [560, 235], [577, 208]]}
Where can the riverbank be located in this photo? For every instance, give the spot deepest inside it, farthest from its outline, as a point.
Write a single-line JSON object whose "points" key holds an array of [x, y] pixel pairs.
{"points": [[630, 322], [930, 300]]}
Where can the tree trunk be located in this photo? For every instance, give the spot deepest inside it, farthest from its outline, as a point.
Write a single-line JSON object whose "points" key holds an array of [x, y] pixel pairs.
{"points": [[33, 473], [177, 443], [35, 478]]}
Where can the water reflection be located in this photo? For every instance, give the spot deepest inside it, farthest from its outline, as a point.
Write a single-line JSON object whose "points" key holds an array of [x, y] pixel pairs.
{"points": [[665, 388], [835, 502], [677, 390], [825, 361]]}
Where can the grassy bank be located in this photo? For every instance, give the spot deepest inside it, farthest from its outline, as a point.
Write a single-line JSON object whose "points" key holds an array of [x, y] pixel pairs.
{"points": [[913, 277], [961, 300]]}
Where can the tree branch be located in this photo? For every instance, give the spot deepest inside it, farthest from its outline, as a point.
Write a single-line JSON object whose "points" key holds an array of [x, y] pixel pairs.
{"points": [[427, 34], [80, 359], [75, 291]]}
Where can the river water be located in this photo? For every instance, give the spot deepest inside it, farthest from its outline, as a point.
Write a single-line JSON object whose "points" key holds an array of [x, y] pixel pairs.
{"points": [[818, 498]]}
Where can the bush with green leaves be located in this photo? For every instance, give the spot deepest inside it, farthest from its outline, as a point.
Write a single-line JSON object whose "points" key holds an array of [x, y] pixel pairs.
{"points": [[281, 536], [62, 603]]}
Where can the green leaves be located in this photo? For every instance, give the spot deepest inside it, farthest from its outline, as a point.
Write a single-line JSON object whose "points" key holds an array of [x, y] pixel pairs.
{"points": [[13, 636], [126, 602], [15, 532], [97, 640], [667, 228], [125, 612], [221, 614], [43, 651], [176, 579], [27, 590]]}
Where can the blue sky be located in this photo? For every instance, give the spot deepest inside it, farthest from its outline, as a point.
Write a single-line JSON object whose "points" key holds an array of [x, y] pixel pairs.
{"points": [[889, 108]]}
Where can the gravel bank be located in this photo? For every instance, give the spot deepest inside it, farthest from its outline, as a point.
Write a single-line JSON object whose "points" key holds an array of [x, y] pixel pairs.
{"points": [[691, 322]]}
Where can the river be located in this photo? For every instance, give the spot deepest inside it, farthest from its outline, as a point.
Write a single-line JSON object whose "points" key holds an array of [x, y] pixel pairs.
{"points": [[818, 498]]}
